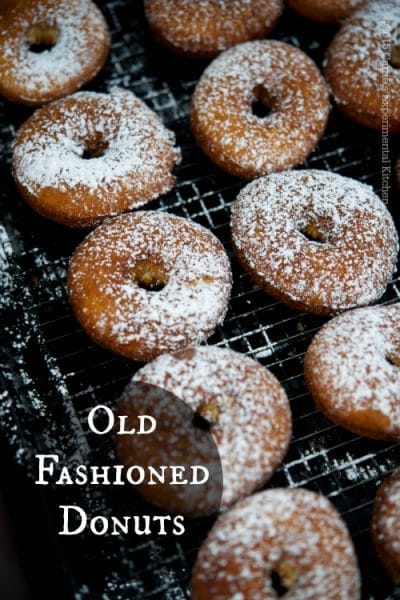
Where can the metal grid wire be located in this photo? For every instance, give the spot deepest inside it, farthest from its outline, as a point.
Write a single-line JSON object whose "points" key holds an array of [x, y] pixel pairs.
{"points": [[52, 374]]}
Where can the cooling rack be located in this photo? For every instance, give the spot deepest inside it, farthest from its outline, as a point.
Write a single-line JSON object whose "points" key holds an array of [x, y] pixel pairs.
{"points": [[52, 374]]}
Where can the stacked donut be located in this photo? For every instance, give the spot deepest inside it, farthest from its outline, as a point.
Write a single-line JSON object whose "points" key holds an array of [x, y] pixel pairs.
{"points": [[152, 286]]}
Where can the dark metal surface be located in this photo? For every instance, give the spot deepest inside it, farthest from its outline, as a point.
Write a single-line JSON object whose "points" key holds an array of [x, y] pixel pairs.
{"points": [[52, 374]]}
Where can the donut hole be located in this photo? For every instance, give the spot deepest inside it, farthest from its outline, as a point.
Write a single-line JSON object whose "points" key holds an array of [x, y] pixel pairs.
{"points": [[262, 104], [42, 37], [206, 415], [260, 110], [312, 232], [277, 584], [95, 150], [394, 59], [393, 359], [150, 275], [283, 578], [200, 422]]}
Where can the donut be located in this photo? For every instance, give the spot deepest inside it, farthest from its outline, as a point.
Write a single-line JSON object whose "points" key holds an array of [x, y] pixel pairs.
{"points": [[324, 11], [149, 282], [362, 66], [245, 406], [49, 48], [203, 29], [276, 542], [385, 525], [224, 111], [352, 370], [319, 242], [91, 156]]}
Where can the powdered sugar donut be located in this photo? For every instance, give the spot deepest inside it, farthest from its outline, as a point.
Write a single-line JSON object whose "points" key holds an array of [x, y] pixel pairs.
{"points": [[386, 524], [203, 29], [362, 65], [315, 240], [291, 535], [352, 370], [90, 156], [279, 76], [146, 283], [325, 11], [49, 48], [245, 406]]}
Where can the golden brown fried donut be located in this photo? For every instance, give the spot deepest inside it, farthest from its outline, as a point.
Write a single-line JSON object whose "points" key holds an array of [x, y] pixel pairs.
{"points": [[325, 11], [386, 524], [279, 76], [352, 370], [245, 406], [293, 535], [363, 66], [91, 156], [49, 48], [318, 241], [203, 29], [148, 282]]}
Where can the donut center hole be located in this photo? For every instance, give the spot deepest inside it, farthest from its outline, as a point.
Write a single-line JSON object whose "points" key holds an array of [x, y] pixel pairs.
{"points": [[200, 422], [393, 359], [94, 149], [394, 59], [283, 577], [150, 275], [206, 415], [278, 586], [262, 104], [313, 233], [42, 37]]}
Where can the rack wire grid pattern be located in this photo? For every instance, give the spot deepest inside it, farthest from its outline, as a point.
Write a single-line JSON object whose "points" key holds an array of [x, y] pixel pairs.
{"points": [[52, 374]]}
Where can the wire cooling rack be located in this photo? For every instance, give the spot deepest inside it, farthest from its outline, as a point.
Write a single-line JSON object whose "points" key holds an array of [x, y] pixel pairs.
{"points": [[52, 374]]}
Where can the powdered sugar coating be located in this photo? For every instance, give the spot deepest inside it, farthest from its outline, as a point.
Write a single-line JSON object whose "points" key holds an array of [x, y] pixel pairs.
{"points": [[386, 524], [203, 29], [352, 369], [293, 532], [54, 176], [245, 404], [363, 82], [135, 322], [79, 53], [354, 264], [226, 128], [325, 11]]}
